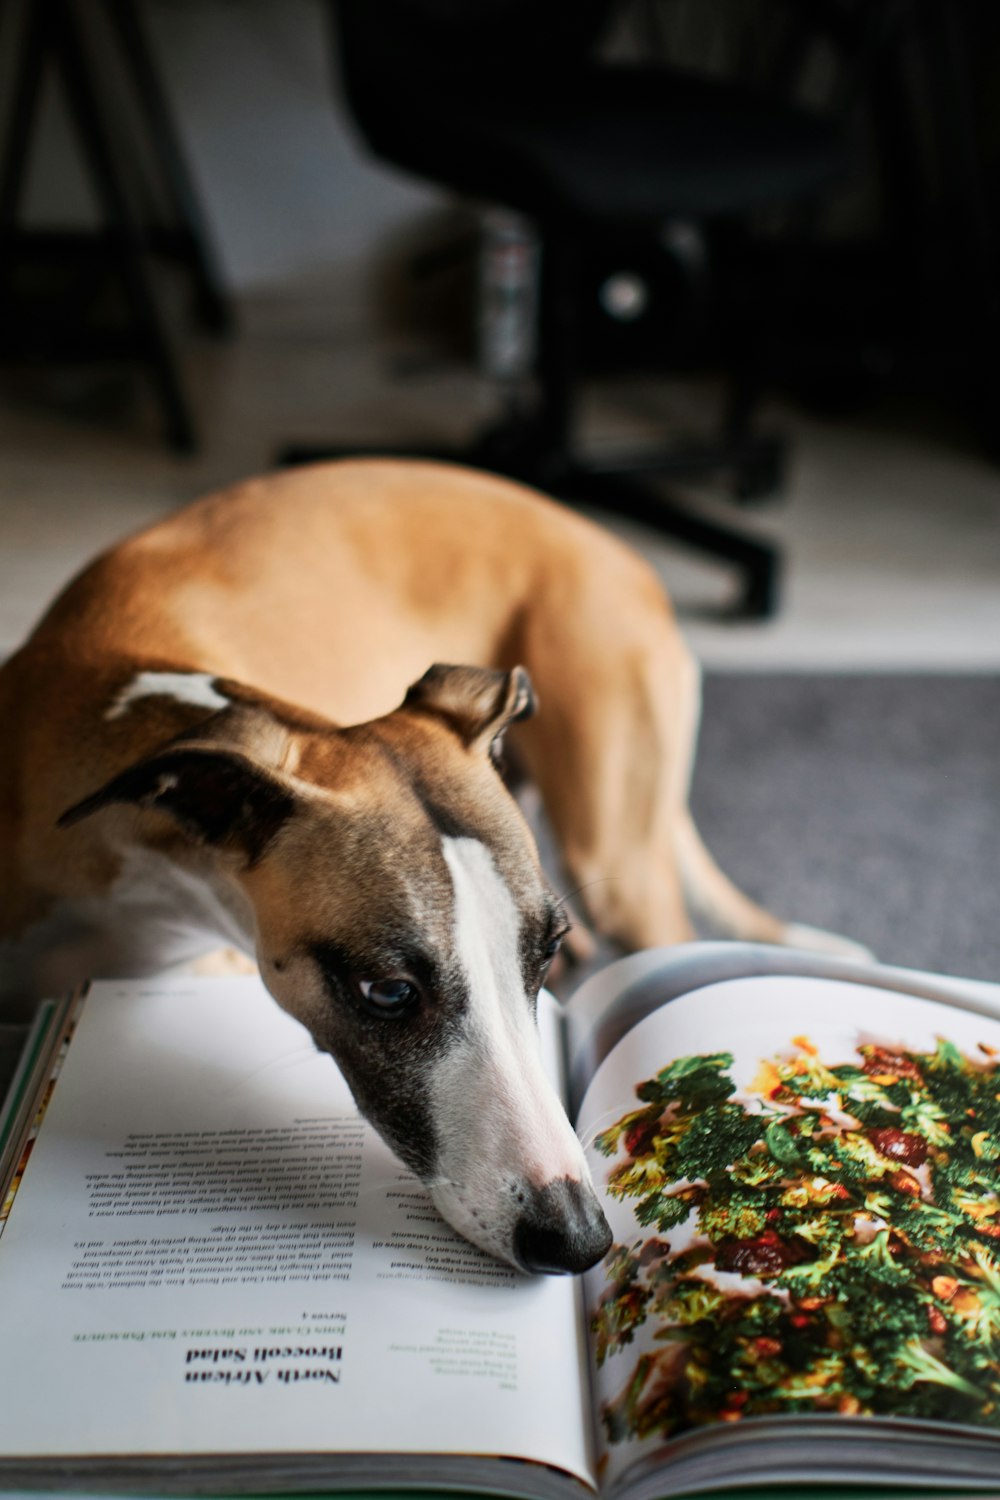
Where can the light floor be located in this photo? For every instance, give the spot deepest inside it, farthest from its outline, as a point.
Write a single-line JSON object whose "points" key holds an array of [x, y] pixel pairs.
{"points": [[892, 532]]}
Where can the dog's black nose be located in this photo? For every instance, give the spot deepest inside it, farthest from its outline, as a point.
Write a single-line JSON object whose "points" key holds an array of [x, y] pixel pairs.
{"points": [[562, 1229]]}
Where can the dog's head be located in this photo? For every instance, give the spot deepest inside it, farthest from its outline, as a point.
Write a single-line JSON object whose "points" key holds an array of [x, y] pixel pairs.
{"points": [[400, 912]]}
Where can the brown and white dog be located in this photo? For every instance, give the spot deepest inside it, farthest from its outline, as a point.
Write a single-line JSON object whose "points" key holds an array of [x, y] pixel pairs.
{"points": [[226, 728]]}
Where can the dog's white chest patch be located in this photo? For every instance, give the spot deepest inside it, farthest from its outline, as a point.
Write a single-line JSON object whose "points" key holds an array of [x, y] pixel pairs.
{"points": [[197, 688], [154, 916]]}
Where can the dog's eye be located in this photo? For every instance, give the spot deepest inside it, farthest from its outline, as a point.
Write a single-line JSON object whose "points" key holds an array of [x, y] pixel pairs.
{"points": [[551, 949], [389, 996]]}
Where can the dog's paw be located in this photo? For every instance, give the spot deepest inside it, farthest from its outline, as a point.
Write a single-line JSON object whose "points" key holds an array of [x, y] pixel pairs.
{"points": [[818, 940]]}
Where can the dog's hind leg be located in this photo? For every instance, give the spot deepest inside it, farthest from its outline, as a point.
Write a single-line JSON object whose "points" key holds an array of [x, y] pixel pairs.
{"points": [[612, 751]]}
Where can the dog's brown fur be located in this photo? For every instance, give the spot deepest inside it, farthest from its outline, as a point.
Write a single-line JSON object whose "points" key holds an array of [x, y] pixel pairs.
{"points": [[331, 589]]}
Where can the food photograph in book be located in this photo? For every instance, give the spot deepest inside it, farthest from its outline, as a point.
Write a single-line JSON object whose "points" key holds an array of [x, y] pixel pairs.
{"points": [[810, 1228]]}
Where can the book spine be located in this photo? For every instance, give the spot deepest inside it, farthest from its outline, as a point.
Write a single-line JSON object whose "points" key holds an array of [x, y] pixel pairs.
{"points": [[24, 1105]]}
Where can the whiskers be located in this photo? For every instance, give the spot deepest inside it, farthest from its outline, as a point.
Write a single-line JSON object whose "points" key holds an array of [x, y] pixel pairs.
{"points": [[283, 1062], [563, 902], [583, 942], [589, 1140], [383, 1185]]}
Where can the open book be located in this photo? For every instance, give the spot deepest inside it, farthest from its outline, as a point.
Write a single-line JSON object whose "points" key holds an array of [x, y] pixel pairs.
{"points": [[215, 1278]]}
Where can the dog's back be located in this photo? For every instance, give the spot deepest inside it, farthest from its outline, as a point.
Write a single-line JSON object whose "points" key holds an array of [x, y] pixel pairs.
{"points": [[334, 587]]}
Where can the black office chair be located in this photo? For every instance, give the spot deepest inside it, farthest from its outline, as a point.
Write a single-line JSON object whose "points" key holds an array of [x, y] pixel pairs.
{"points": [[504, 102]]}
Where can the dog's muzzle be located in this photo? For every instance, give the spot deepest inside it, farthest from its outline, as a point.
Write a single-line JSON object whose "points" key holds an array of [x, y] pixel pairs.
{"points": [[562, 1230]]}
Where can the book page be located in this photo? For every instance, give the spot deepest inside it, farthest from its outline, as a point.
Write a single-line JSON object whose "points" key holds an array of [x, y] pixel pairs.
{"points": [[803, 1180], [210, 1253]]}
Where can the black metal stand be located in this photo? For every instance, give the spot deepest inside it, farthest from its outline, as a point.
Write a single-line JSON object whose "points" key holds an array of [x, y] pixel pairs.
{"points": [[54, 33], [192, 241]]}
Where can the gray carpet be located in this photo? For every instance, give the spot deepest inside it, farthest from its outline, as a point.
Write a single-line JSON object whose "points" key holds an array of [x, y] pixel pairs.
{"points": [[866, 804]]}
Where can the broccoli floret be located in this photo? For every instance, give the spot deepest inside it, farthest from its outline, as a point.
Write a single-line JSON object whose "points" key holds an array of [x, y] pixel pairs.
{"points": [[784, 1146], [714, 1140], [858, 1158], [927, 1228], [975, 1311], [988, 1266], [732, 1213], [751, 1317], [806, 1388], [757, 1169], [948, 1081], [665, 1210], [882, 1315], [917, 1364], [926, 1117], [690, 1301], [638, 1179], [882, 1259], [816, 1277], [823, 1230], [694, 1082]]}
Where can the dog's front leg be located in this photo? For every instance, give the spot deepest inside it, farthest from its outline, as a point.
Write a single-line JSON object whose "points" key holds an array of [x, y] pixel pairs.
{"points": [[611, 761]]}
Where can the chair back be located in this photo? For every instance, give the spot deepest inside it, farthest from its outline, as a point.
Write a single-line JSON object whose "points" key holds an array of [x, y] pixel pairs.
{"points": [[395, 55]]}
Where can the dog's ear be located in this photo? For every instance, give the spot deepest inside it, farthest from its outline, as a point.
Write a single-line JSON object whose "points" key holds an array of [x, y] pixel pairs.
{"points": [[217, 797], [476, 702]]}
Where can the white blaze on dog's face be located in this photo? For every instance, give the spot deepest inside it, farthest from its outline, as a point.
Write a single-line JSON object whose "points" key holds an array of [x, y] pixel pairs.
{"points": [[503, 1138]]}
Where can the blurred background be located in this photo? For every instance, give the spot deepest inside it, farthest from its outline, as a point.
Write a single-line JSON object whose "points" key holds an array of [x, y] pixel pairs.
{"points": [[724, 273]]}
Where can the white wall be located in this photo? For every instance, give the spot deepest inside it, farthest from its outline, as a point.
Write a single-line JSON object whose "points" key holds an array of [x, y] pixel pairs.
{"points": [[284, 182]]}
